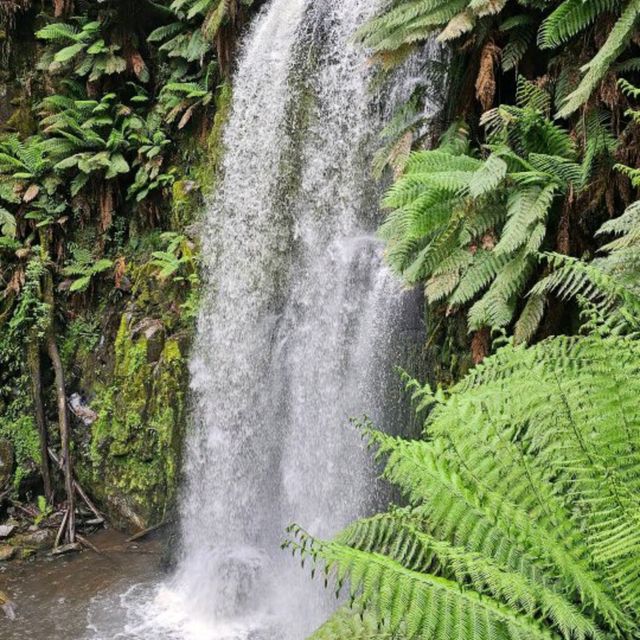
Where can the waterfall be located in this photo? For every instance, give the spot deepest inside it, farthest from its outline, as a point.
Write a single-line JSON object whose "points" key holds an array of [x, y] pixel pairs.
{"points": [[299, 329]]}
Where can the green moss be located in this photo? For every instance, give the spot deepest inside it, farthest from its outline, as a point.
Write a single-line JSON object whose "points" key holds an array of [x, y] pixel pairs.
{"points": [[23, 435], [187, 202], [135, 443], [80, 340], [215, 145], [22, 121]]}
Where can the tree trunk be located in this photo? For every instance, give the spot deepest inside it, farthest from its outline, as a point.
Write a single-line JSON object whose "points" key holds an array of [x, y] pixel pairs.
{"points": [[63, 412], [65, 433], [33, 358]]}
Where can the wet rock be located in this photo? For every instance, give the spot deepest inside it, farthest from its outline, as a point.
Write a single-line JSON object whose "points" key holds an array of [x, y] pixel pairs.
{"points": [[39, 540], [73, 547], [6, 463], [7, 552], [7, 606], [152, 331], [6, 530]]}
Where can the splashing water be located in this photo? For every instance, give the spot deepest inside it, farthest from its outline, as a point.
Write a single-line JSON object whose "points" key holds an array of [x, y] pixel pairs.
{"points": [[299, 330]]}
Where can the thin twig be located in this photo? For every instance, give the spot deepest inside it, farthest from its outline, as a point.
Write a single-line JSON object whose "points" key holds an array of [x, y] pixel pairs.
{"points": [[61, 529], [147, 531]]}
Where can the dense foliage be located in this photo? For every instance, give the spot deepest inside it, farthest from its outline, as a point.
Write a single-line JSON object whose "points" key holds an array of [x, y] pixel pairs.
{"points": [[103, 163], [539, 172], [522, 504]]}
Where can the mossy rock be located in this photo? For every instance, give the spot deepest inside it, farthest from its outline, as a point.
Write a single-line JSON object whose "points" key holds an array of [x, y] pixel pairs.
{"points": [[136, 441], [7, 552]]}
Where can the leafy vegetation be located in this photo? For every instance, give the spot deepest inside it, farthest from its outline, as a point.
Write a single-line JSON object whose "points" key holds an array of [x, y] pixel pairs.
{"points": [[98, 187], [536, 174], [521, 505], [520, 499]]}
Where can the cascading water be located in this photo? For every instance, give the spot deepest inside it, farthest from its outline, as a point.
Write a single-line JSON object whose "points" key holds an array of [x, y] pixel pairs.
{"points": [[298, 331]]}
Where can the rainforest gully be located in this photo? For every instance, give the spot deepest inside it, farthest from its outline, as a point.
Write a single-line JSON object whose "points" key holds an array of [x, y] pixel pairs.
{"points": [[319, 319]]}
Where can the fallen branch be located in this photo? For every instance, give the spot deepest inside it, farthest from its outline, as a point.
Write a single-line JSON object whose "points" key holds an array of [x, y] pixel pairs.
{"points": [[33, 359], [29, 512], [63, 524], [63, 423], [146, 532], [89, 545]]}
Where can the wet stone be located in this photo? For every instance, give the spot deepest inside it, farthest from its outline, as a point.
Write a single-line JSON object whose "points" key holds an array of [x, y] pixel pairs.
{"points": [[7, 552], [41, 539], [6, 530]]}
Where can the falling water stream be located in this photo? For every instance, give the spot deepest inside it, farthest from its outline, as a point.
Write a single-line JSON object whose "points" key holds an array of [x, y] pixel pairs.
{"points": [[300, 327], [295, 332], [298, 330]]}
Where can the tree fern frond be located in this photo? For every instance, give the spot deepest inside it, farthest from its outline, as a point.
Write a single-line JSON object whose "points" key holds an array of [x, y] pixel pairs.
{"points": [[598, 66], [523, 496], [570, 18], [530, 319]]}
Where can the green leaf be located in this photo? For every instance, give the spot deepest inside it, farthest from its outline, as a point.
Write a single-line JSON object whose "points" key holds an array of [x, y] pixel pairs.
{"points": [[66, 54], [117, 165], [81, 284], [7, 223]]}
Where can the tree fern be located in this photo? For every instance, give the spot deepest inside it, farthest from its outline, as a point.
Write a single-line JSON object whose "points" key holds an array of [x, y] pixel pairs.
{"points": [[610, 282], [497, 211], [522, 506], [404, 24], [570, 18]]}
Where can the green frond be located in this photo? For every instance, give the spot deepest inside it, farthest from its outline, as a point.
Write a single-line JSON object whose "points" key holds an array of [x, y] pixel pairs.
{"points": [[353, 624], [421, 604], [522, 498], [530, 319], [598, 66], [521, 30], [488, 177], [570, 18]]}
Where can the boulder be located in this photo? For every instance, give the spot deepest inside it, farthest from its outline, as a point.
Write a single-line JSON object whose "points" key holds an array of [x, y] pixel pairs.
{"points": [[6, 463], [40, 539]]}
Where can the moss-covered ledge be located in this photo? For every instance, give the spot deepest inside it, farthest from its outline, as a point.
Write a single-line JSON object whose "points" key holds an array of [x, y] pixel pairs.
{"points": [[135, 442]]}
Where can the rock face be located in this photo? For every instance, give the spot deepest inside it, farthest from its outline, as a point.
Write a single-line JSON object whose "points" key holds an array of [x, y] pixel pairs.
{"points": [[6, 463]]}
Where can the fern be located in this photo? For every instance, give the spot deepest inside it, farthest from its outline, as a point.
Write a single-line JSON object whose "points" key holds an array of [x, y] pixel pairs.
{"points": [[609, 283], [596, 68], [570, 18], [496, 212], [522, 509]]}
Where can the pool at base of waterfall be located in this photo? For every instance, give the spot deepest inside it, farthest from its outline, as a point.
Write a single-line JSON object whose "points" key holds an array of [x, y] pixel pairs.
{"points": [[119, 594]]}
